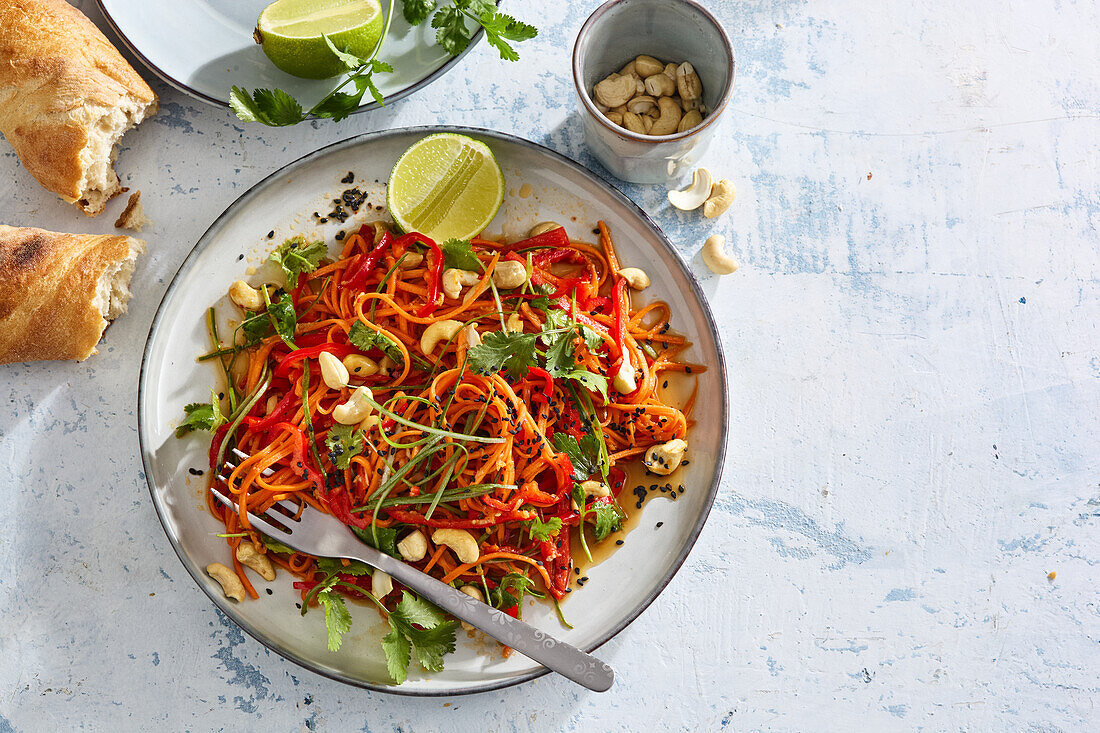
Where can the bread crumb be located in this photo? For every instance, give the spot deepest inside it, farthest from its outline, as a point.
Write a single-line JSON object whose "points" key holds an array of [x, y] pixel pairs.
{"points": [[133, 216], [1052, 575]]}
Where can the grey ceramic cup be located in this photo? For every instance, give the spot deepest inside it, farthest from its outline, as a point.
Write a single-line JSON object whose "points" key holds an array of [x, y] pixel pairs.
{"points": [[670, 30]]}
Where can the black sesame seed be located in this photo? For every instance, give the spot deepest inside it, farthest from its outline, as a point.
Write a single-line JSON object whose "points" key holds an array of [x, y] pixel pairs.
{"points": [[240, 257], [195, 471], [618, 542], [269, 591], [349, 178], [660, 524], [271, 234]]}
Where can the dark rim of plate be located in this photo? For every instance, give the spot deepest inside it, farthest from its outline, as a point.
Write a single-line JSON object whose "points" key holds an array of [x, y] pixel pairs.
{"points": [[223, 605], [202, 97]]}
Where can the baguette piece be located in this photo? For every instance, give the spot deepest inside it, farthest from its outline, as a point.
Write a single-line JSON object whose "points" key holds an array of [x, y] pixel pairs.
{"points": [[57, 291], [66, 98]]}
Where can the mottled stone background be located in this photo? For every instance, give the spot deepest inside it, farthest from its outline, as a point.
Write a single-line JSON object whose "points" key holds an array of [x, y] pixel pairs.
{"points": [[914, 361]]}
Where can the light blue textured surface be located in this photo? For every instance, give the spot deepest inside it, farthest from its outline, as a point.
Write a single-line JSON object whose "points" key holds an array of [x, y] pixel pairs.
{"points": [[912, 345]]}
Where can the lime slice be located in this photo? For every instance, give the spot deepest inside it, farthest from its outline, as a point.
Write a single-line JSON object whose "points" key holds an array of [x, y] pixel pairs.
{"points": [[290, 33], [446, 186]]}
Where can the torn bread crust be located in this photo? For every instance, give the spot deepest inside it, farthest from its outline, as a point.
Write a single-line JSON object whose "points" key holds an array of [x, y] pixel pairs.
{"points": [[133, 216], [58, 291], [66, 98]]}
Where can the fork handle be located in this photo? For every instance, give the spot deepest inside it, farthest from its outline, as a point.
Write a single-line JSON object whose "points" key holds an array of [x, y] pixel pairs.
{"points": [[565, 659]]}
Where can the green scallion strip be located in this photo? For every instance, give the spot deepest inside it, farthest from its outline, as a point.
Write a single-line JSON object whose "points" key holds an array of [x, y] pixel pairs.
{"points": [[245, 407], [428, 429]]}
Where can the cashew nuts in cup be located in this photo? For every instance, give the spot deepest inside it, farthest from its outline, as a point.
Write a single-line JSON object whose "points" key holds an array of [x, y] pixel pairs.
{"points": [[652, 97]]}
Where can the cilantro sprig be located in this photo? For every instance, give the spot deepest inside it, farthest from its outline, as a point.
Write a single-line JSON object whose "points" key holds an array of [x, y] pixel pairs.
{"points": [[201, 416], [297, 256], [455, 23], [417, 624]]}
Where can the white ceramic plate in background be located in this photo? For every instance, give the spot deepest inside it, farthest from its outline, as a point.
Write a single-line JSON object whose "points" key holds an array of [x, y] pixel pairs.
{"points": [[204, 48], [557, 189]]}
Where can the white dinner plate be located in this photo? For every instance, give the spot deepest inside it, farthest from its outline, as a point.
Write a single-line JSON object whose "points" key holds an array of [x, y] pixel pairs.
{"points": [[205, 47], [541, 186]]}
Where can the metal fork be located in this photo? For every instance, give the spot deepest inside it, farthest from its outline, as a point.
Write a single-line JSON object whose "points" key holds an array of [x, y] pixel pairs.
{"points": [[322, 535]]}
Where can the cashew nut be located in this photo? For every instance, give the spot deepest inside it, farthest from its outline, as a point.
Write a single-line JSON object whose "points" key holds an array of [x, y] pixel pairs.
{"points": [[454, 280], [624, 380], [694, 105], [665, 458], [474, 592], [660, 85], [595, 488], [603, 108], [696, 194], [359, 365], [333, 370], [461, 542], [414, 547], [411, 260], [669, 119], [473, 338], [509, 274], [545, 226], [647, 124], [633, 123], [380, 230], [246, 296], [356, 409], [689, 120], [715, 257], [514, 324], [647, 66], [231, 585], [670, 70], [247, 556], [641, 105], [635, 277], [721, 198], [613, 92], [381, 584], [687, 81], [438, 331], [370, 423], [628, 70], [386, 365], [615, 117]]}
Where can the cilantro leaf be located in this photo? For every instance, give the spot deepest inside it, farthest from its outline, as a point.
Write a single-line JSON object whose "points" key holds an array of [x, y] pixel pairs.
{"points": [[511, 590], [272, 107], [434, 640], [337, 618], [451, 33], [276, 546], [364, 338], [544, 531], [398, 649], [561, 354], [333, 565], [387, 539], [284, 318], [417, 11], [499, 26], [608, 518], [201, 416], [584, 454], [296, 256], [344, 442], [351, 61], [460, 253], [589, 380], [499, 350]]}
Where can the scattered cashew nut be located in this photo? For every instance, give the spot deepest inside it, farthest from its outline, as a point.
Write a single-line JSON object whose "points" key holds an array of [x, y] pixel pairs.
{"points": [[665, 458], [473, 338], [360, 366], [438, 331], [246, 296], [381, 584], [514, 324], [635, 277], [414, 547], [546, 226], [257, 561], [509, 274], [356, 409], [624, 380], [231, 585], [461, 542], [595, 488], [696, 194], [715, 257], [333, 371], [721, 198], [454, 280], [411, 260]]}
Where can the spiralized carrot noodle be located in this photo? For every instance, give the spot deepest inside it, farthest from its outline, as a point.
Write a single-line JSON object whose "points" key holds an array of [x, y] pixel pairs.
{"points": [[492, 431]]}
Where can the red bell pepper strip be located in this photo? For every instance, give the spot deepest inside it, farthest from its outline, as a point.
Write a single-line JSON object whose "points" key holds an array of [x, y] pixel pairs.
{"points": [[546, 394], [435, 270], [621, 312], [553, 238], [216, 443], [616, 478], [549, 257], [567, 305], [560, 565], [281, 412], [338, 350], [356, 276]]}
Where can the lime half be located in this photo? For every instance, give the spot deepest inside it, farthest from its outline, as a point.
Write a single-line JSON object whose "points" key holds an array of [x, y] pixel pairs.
{"points": [[446, 186], [290, 33]]}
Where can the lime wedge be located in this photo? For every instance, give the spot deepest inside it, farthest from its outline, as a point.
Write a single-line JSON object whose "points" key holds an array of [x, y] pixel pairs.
{"points": [[290, 33], [446, 186]]}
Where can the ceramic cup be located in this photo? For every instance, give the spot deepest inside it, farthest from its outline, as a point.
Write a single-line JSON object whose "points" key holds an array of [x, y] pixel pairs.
{"points": [[669, 30]]}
